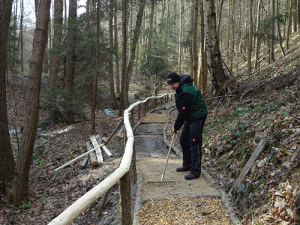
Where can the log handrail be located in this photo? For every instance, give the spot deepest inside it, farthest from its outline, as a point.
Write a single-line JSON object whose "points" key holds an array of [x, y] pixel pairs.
{"points": [[81, 204]]}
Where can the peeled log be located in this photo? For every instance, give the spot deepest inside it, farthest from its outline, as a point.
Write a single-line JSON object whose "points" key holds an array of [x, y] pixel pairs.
{"points": [[97, 150], [84, 162], [93, 160], [107, 151]]}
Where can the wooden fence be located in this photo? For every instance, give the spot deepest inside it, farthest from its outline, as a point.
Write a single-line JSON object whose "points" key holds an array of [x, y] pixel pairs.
{"points": [[121, 174]]}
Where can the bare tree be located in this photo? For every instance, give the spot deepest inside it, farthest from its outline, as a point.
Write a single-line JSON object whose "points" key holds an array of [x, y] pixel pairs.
{"points": [[20, 182], [258, 38], [124, 95], [70, 65], [94, 78], [250, 2], [299, 19], [151, 25], [21, 36], [289, 24], [219, 78], [6, 158], [110, 62], [54, 63], [219, 18], [195, 50], [116, 50]]}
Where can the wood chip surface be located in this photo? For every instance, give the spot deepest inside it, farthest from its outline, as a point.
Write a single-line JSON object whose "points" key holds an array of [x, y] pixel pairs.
{"points": [[184, 211]]}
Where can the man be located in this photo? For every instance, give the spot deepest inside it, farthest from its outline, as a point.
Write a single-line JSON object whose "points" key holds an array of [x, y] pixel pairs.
{"points": [[192, 112]]}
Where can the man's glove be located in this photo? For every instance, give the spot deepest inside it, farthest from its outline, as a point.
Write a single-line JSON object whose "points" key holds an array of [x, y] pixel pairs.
{"points": [[174, 131]]}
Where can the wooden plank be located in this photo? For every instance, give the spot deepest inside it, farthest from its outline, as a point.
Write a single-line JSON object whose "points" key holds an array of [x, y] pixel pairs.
{"points": [[260, 147], [97, 149], [93, 160]]}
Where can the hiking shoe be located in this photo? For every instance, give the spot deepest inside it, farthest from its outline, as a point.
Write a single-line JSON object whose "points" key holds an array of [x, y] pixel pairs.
{"points": [[182, 169], [191, 176]]}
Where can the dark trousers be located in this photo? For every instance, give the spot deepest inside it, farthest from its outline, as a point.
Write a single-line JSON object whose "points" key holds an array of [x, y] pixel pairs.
{"points": [[191, 144]]}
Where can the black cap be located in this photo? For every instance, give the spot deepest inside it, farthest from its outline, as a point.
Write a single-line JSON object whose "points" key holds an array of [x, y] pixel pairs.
{"points": [[173, 78]]}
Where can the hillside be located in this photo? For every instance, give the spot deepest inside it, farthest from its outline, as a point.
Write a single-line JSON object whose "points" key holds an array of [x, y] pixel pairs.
{"points": [[270, 110]]}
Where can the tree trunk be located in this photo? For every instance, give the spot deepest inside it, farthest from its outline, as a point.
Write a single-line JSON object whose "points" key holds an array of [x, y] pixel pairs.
{"points": [[295, 18], [228, 30], [151, 25], [190, 37], [258, 38], [54, 63], [110, 66], [200, 84], [137, 60], [117, 50], [21, 36], [219, 78], [14, 59], [167, 22], [232, 33], [289, 25], [124, 96], [70, 66], [250, 36], [20, 182], [94, 78], [125, 200], [6, 157], [45, 63], [279, 31], [299, 19], [135, 38], [219, 19], [180, 38], [273, 33], [195, 50]]}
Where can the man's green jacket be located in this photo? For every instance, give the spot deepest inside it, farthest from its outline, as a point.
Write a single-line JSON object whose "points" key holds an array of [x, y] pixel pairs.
{"points": [[189, 102]]}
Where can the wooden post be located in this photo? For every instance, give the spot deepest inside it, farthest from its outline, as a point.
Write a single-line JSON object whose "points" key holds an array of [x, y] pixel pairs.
{"points": [[146, 106], [132, 118], [132, 171], [167, 98], [139, 112], [125, 195], [124, 137], [125, 200]]}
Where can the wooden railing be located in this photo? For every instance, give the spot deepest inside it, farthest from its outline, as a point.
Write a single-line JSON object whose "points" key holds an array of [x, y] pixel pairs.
{"points": [[74, 210]]}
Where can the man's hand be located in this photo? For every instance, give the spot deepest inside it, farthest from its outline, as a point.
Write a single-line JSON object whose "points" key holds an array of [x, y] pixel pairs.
{"points": [[174, 131]]}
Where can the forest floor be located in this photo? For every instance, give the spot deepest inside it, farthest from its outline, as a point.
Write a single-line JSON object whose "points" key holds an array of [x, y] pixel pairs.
{"points": [[232, 131]]}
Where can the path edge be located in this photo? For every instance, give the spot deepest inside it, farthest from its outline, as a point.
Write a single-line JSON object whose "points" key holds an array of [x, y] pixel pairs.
{"points": [[224, 199], [138, 199]]}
